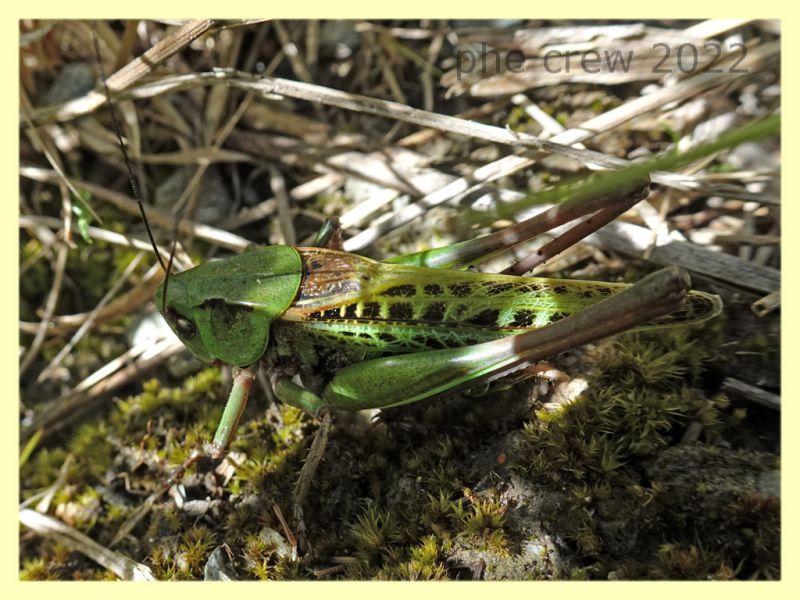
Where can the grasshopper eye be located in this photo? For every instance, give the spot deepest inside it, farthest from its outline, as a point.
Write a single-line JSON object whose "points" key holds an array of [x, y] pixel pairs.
{"points": [[185, 328]]}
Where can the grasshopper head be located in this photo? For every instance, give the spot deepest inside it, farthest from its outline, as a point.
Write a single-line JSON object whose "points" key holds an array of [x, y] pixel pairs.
{"points": [[222, 310]]}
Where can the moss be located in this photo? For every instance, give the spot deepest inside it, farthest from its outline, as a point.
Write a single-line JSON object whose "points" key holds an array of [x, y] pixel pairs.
{"points": [[425, 562], [181, 556], [93, 265], [163, 563], [91, 443], [374, 533], [42, 468], [264, 553], [485, 517], [594, 450], [727, 500], [36, 282], [36, 570], [688, 561], [639, 395], [257, 554], [518, 119], [195, 546]]}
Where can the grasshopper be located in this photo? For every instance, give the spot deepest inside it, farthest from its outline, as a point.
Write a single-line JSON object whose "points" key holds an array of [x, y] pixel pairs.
{"points": [[336, 330], [366, 334]]}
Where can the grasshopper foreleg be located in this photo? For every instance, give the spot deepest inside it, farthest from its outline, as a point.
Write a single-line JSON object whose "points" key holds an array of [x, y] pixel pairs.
{"points": [[237, 400]]}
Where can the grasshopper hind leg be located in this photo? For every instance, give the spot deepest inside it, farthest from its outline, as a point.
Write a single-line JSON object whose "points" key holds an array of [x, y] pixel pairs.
{"points": [[303, 485], [290, 393]]}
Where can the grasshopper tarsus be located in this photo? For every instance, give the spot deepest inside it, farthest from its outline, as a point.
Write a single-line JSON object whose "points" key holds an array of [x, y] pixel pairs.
{"points": [[300, 528], [287, 531], [178, 472]]}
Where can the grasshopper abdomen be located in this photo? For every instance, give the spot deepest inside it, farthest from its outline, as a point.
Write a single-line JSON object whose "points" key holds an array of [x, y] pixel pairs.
{"points": [[351, 302]]}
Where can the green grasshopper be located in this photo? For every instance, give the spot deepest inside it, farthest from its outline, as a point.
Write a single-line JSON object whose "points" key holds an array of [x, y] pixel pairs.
{"points": [[366, 334], [317, 310]]}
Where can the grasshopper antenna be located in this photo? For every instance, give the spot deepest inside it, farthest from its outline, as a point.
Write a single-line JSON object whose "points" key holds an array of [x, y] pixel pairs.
{"points": [[131, 176], [169, 266]]}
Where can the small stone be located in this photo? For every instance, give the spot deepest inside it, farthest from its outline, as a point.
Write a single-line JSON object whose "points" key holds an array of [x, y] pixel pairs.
{"points": [[276, 540], [218, 567]]}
